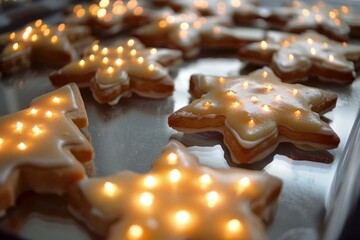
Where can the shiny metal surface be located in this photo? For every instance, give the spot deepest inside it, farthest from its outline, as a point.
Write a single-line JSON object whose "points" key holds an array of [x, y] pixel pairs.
{"points": [[131, 135]]}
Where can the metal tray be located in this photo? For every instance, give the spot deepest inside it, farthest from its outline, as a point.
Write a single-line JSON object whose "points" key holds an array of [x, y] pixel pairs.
{"points": [[316, 197]]}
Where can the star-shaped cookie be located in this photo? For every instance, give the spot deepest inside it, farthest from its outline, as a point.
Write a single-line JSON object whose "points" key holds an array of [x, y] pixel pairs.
{"points": [[190, 32], [42, 147], [114, 72], [256, 112], [177, 199], [111, 17], [39, 43], [299, 16], [296, 58]]}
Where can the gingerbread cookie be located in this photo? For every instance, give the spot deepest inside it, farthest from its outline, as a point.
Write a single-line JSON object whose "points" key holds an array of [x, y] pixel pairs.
{"points": [[295, 58], [114, 72], [110, 17], [42, 147], [256, 112], [40, 44], [190, 32], [178, 199], [325, 18]]}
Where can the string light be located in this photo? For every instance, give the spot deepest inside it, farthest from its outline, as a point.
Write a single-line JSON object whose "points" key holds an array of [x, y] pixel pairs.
{"points": [[172, 158], [135, 232], [175, 175], [110, 189]]}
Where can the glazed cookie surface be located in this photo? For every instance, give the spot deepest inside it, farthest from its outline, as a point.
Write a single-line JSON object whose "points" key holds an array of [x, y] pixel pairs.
{"points": [[255, 112], [296, 58], [42, 148], [118, 71], [178, 199]]}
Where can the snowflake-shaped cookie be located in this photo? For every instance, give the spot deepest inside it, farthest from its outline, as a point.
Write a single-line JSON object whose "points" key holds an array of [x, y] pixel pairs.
{"points": [[191, 32], [41, 148], [296, 58], [114, 72], [256, 112], [336, 22], [37, 43], [178, 199]]}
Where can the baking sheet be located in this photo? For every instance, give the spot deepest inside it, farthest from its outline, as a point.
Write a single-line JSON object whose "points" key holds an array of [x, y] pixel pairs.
{"points": [[131, 134]]}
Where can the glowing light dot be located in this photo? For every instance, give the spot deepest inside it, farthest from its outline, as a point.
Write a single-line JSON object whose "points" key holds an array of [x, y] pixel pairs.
{"points": [[38, 23], [22, 146], [230, 93], [118, 62], [147, 199], [82, 63], [310, 41], [46, 32], [61, 27], [285, 43], [135, 232], [33, 111], [291, 57], [54, 39], [34, 37], [278, 97], [236, 104], [221, 80], [105, 60], [95, 48], [253, 99], [234, 226], [183, 217], [19, 126], [104, 51], [36, 130], [212, 198], [305, 12], [313, 51], [297, 113], [325, 45], [1, 141], [151, 67], [294, 92], [244, 182], [56, 100], [263, 45], [110, 70], [175, 175], [49, 114], [149, 181], [331, 58], [163, 24], [344, 9], [245, 85], [12, 36], [110, 189], [172, 158], [205, 180], [133, 52], [265, 74], [206, 104], [337, 21], [138, 11], [153, 51], [131, 42], [344, 44], [251, 123], [268, 87], [92, 57], [140, 60], [101, 13], [15, 46], [266, 108], [184, 26], [120, 49]]}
